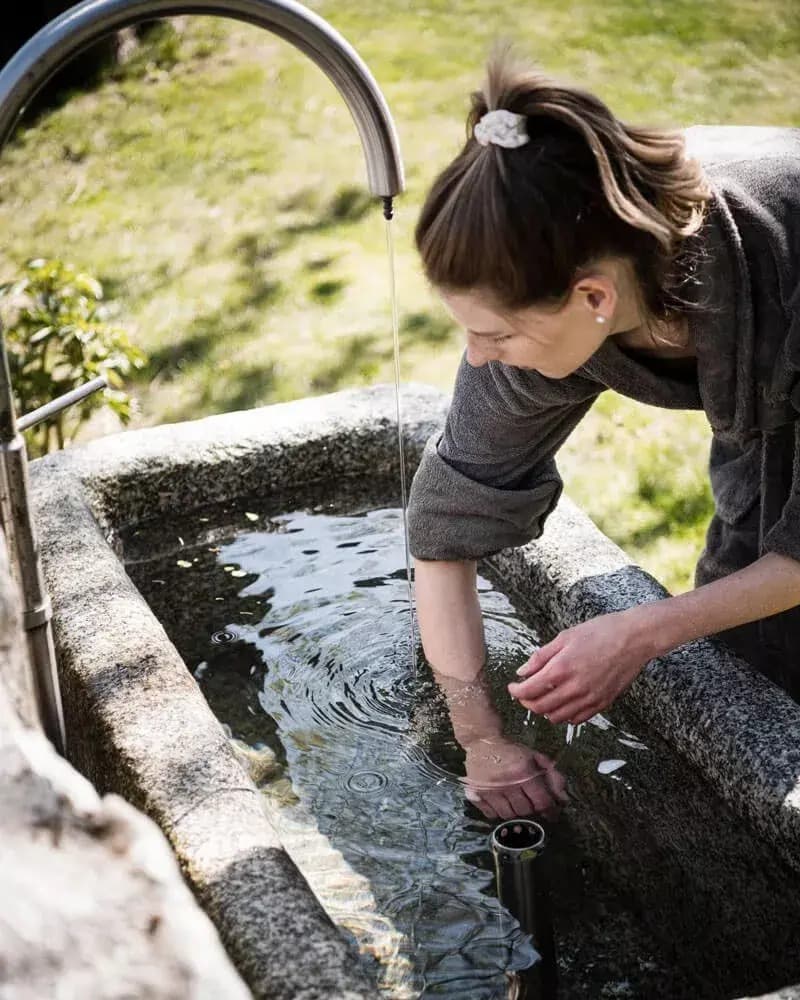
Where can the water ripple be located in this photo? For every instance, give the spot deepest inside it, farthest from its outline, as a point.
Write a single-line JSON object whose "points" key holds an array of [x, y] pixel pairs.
{"points": [[366, 781], [323, 673]]}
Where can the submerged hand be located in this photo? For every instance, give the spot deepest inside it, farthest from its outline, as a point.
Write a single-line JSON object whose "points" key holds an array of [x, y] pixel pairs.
{"points": [[507, 780], [585, 668]]}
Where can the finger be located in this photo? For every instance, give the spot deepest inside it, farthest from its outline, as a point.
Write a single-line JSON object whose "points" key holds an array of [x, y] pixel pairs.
{"points": [[474, 796], [487, 808], [540, 683], [555, 780], [538, 794], [520, 801], [540, 658], [575, 712], [553, 702], [501, 804]]}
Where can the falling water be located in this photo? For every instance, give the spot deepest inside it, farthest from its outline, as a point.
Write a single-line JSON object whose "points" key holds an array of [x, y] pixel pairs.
{"points": [[403, 490]]}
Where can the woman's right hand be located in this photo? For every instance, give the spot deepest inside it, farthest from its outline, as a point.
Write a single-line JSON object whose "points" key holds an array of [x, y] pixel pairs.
{"points": [[506, 780]]}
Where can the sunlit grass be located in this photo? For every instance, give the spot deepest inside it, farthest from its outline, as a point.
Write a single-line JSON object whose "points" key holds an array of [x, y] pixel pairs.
{"points": [[216, 185]]}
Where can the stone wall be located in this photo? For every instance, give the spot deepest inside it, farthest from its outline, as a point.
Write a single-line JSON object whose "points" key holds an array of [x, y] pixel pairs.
{"points": [[141, 728], [93, 903]]}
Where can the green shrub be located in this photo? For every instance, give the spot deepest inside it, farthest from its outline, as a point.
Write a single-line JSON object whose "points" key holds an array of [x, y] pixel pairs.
{"points": [[58, 338]]}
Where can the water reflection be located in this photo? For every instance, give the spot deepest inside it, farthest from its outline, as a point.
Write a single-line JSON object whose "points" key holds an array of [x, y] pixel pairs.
{"points": [[385, 779], [306, 660]]}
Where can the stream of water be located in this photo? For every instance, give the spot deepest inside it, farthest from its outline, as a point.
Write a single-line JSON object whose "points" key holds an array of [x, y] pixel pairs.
{"points": [[400, 443]]}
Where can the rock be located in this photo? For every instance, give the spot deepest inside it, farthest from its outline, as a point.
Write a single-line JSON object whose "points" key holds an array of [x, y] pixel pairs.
{"points": [[93, 903]]}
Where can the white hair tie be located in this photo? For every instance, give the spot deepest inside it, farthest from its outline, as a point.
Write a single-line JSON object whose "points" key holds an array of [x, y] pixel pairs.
{"points": [[503, 128]]}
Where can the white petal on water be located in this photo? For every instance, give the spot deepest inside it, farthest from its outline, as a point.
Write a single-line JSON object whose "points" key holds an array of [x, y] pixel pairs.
{"points": [[250, 517], [608, 766], [573, 732], [634, 744]]}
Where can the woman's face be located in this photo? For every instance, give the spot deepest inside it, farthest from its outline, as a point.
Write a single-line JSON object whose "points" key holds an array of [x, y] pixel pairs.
{"points": [[554, 343]]}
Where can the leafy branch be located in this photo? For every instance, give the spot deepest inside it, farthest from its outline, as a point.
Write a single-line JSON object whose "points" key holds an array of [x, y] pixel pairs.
{"points": [[58, 338]]}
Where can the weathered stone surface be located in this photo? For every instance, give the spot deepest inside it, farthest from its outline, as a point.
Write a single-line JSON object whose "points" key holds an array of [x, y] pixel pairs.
{"points": [[735, 726], [15, 675], [788, 993], [136, 721], [139, 726], [93, 903]]}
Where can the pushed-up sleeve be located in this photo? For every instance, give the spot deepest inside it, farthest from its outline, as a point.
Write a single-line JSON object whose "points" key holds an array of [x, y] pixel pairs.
{"points": [[489, 481]]}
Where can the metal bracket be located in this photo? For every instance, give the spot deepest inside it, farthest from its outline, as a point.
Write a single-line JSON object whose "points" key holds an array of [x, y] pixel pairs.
{"points": [[37, 616]]}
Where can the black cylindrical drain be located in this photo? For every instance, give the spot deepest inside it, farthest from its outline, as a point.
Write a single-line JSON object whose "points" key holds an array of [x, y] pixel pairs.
{"points": [[517, 846]]}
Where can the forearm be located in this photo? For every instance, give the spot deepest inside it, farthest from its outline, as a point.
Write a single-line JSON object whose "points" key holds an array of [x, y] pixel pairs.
{"points": [[766, 587], [585, 668], [471, 707], [449, 616]]}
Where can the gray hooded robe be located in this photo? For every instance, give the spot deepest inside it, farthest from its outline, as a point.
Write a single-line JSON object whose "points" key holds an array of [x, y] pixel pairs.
{"points": [[490, 480]]}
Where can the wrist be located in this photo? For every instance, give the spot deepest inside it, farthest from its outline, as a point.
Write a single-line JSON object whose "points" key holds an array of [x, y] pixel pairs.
{"points": [[655, 628], [475, 722], [470, 737]]}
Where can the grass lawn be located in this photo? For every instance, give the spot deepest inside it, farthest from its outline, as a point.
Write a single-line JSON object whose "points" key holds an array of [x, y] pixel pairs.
{"points": [[216, 186]]}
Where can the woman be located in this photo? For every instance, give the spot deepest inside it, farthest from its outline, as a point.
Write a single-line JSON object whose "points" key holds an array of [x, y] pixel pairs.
{"points": [[581, 254]]}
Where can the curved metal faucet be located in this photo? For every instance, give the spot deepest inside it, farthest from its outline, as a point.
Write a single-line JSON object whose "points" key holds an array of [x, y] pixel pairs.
{"points": [[20, 80], [81, 26]]}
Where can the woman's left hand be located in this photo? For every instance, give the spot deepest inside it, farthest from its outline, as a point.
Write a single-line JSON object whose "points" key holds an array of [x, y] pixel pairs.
{"points": [[585, 668]]}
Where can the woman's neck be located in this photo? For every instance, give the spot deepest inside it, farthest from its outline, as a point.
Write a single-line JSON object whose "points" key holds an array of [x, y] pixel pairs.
{"points": [[634, 329], [629, 311], [672, 340], [676, 342]]}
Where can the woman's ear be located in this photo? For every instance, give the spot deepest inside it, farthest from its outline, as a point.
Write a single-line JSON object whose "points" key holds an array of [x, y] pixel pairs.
{"points": [[597, 294]]}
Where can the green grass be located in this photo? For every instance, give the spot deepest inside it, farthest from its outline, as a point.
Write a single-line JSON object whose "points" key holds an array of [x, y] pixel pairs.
{"points": [[216, 185]]}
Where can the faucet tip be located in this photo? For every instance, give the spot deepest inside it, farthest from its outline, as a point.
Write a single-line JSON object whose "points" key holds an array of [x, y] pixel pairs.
{"points": [[388, 208]]}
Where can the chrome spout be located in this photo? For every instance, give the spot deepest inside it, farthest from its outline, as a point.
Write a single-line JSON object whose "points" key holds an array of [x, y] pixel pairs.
{"points": [[78, 28], [20, 80]]}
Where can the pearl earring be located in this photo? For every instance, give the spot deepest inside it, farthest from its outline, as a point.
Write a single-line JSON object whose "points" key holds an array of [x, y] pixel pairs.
{"points": [[600, 319]]}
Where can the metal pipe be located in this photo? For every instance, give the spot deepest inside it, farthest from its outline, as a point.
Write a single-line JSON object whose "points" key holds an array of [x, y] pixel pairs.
{"points": [[517, 846], [61, 403], [81, 26], [24, 559], [20, 80]]}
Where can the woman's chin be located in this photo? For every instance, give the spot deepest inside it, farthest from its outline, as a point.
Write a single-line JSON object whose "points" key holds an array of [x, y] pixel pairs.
{"points": [[554, 373]]}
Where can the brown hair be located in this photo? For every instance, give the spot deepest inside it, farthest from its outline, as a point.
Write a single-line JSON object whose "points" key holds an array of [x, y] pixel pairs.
{"points": [[521, 223]]}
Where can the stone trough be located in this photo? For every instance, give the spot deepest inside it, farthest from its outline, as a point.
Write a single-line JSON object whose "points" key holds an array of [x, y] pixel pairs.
{"points": [[139, 726]]}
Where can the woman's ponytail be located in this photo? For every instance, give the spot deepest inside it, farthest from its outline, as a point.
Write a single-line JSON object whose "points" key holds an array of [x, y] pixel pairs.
{"points": [[585, 185]]}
